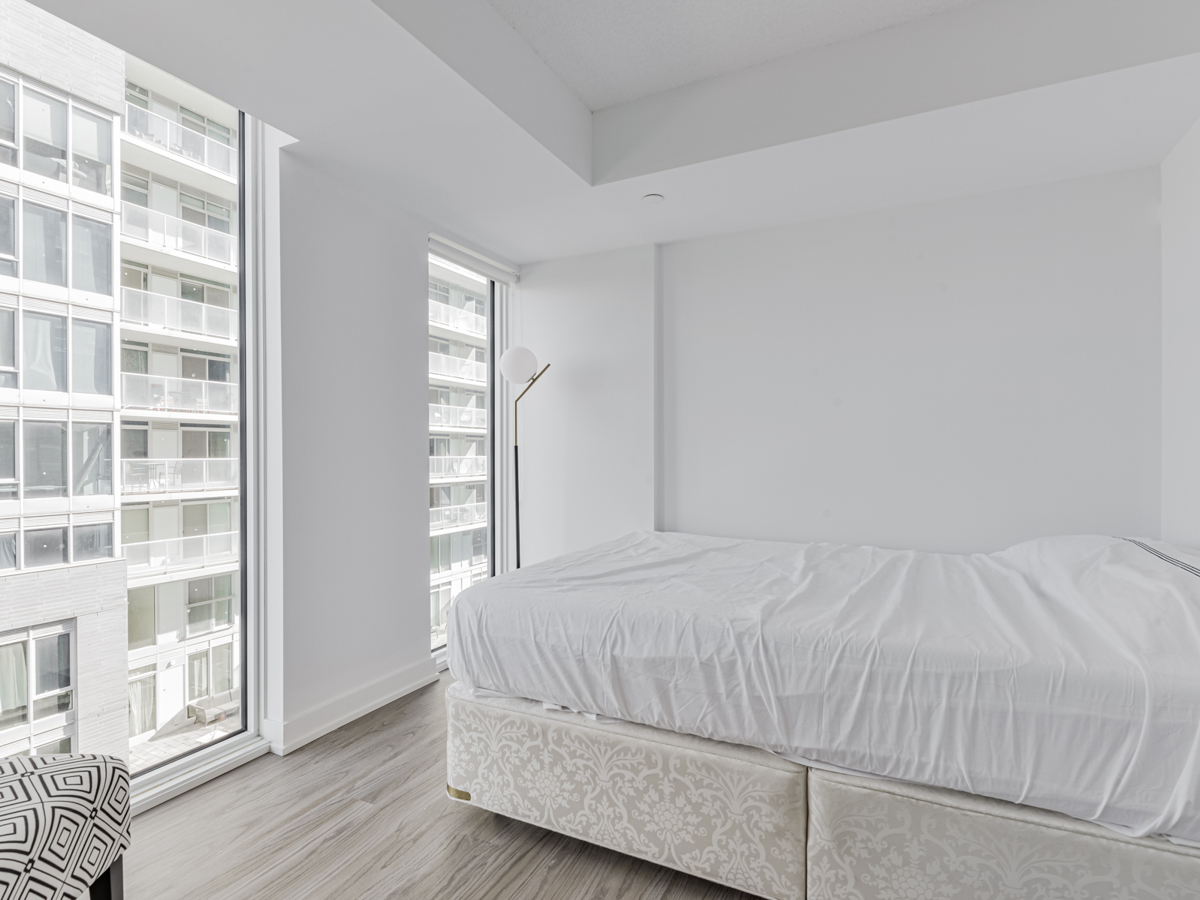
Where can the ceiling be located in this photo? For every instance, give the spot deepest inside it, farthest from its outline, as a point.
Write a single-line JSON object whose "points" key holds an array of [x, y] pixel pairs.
{"points": [[376, 98], [622, 50]]}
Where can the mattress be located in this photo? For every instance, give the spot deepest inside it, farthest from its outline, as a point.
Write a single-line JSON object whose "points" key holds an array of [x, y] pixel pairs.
{"points": [[1062, 673]]}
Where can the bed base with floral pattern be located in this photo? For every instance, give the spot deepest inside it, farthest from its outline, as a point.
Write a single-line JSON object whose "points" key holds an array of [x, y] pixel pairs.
{"points": [[750, 820]]}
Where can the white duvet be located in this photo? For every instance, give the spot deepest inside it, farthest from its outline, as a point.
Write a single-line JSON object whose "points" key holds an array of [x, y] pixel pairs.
{"points": [[1062, 673]]}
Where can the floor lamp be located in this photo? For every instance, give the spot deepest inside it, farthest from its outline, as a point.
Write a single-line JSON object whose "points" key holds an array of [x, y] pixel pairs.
{"points": [[518, 365]]}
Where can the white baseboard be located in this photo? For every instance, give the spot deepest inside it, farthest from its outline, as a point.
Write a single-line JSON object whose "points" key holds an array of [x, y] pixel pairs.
{"points": [[333, 714]]}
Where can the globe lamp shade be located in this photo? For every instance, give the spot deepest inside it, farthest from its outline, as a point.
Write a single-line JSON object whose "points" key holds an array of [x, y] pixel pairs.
{"points": [[518, 365]]}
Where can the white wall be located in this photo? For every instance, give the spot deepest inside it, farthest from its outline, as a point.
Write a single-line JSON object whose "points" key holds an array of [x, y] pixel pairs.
{"points": [[587, 427], [355, 493], [1181, 342], [957, 376]]}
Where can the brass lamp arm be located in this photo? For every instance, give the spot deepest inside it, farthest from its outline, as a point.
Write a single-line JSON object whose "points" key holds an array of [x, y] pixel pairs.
{"points": [[532, 382]]}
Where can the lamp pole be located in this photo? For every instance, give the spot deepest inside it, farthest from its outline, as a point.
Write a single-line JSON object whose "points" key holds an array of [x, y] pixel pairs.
{"points": [[517, 463]]}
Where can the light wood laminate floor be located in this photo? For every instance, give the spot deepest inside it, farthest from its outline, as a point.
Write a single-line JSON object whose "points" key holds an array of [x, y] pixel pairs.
{"points": [[363, 813]]}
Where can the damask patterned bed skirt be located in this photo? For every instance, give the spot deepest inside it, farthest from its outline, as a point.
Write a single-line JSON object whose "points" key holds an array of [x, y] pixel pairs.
{"points": [[747, 819], [730, 814], [883, 840]]}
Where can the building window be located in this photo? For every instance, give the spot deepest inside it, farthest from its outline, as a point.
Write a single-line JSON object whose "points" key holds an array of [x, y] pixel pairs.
{"points": [[143, 708], [45, 363], [37, 690], [45, 135], [91, 357], [45, 547], [8, 234], [92, 542], [45, 459], [91, 256], [92, 154], [45, 250], [141, 617], [210, 604], [8, 123], [197, 672], [8, 348], [8, 460]]}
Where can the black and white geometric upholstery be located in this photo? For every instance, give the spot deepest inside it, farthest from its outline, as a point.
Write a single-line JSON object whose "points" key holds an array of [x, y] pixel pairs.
{"points": [[64, 820]]}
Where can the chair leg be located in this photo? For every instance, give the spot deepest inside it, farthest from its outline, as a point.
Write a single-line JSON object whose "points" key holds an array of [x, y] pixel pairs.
{"points": [[111, 883]]}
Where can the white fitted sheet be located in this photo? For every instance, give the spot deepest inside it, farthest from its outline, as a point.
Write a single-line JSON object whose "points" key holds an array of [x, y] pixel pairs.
{"points": [[1062, 673]]}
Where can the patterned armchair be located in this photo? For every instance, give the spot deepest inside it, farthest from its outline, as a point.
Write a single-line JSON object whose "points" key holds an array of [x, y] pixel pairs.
{"points": [[64, 823]]}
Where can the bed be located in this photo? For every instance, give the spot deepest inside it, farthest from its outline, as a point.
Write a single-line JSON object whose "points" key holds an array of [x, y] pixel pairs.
{"points": [[796, 701]]}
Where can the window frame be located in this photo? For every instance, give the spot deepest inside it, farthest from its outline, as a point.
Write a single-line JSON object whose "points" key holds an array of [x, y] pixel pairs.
{"points": [[24, 738]]}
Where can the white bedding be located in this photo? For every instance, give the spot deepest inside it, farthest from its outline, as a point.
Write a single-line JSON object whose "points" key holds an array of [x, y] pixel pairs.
{"points": [[1062, 673]]}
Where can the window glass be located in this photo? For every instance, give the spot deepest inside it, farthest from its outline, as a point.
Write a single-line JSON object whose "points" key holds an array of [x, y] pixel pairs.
{"points": [[92, 151], [195, 519], [135, 443], [218, 444], [91, 256], [45, 244], [218, 370], [91, 357], [8, 451], [92, 446], [133, 277], [135, 525], [45, 135], [195, 367], [55, 747], [45, 459], [45, 547], [197, 675], [45, 352], [8, 344], [8, 123], [135, 190], [141, 617], [142, 700], [8, 551], [92, 542], [195, 444], [134, 361], [53, 656], [191, 291], [14, 685], [8, 235], [222, 668]]}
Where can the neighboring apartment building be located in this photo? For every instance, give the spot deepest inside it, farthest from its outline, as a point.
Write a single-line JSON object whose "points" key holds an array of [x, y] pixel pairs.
{"points": [[458, 429], [62, 584], [119, 401], [179, 471]]}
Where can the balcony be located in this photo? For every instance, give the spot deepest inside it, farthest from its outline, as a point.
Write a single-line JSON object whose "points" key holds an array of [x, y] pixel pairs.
{"points": [[178, 394], [457, 319], [177, 314], [441, 517], [174, 138], [454, 367], [457, 416], [184, 552], [143, 476], [458, 467], [175, 235]]}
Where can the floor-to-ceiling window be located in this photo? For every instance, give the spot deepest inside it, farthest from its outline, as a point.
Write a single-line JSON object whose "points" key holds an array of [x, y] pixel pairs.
{"points": [[459, 313], [180, 368]]}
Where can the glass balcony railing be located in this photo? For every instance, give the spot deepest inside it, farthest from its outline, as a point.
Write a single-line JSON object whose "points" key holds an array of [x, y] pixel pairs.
{"points": [[455, 367], [457, 416], [174, 138], [176, 235], [182, 394], [198, 550], [454, 516], [141, 476], [457, 466], [177, 314], [458, 319]]}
